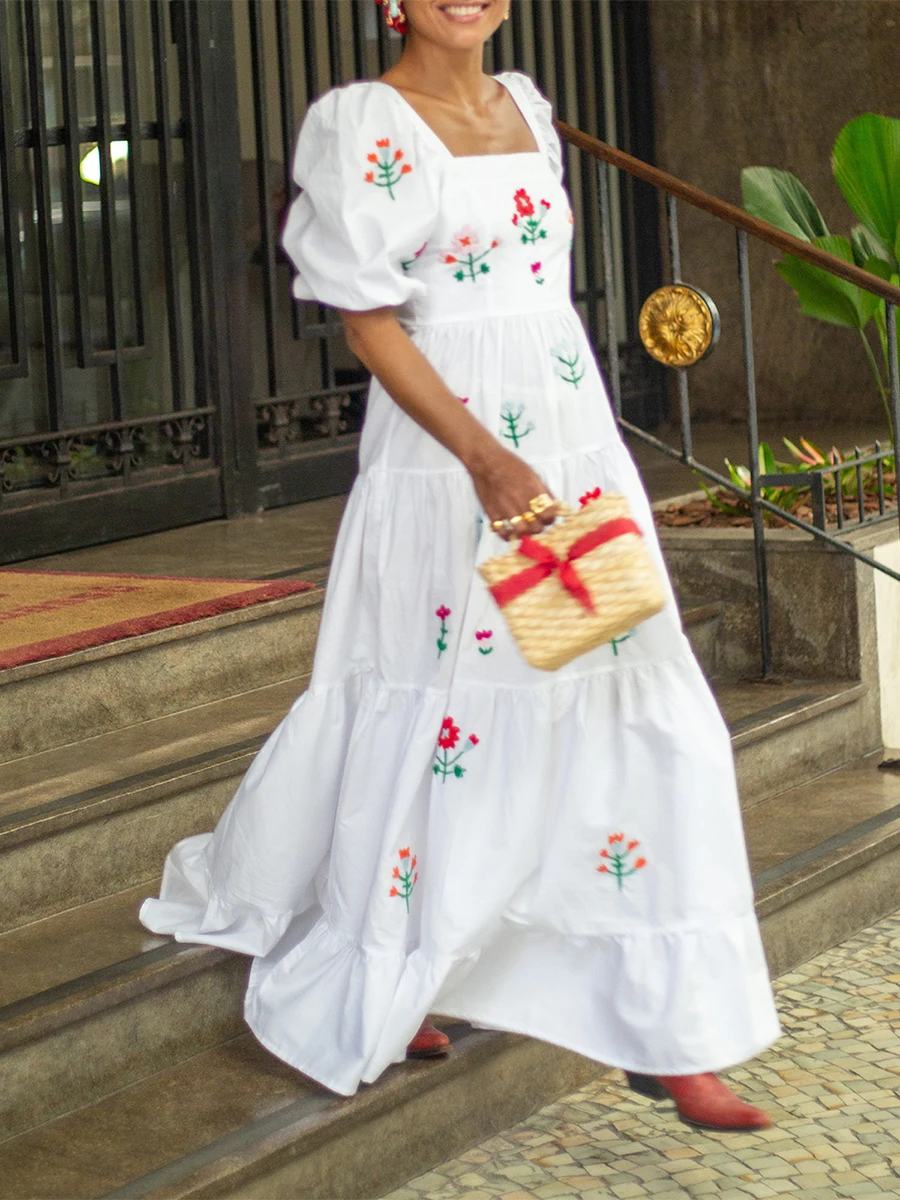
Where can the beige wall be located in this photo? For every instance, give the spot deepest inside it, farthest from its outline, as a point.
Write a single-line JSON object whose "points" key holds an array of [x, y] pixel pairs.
{"points": [[770, 82]]}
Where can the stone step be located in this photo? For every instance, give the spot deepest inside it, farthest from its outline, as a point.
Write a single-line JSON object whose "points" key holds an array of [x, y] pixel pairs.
{"points": [[201, 1111], [702, 624], [84, 821], [59, 701]]}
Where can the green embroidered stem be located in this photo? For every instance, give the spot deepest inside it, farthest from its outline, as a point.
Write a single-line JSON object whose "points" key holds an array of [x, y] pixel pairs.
{"points": [[533, 232], [511, 418], [467, 266], [446, 765], [485, 649], [616, 642], [571, 365], [620, 867], [406, 886], [441, 642]]}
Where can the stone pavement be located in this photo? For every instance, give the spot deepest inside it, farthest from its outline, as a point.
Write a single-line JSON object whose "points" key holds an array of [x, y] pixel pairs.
{"points": [[832, 1084]]}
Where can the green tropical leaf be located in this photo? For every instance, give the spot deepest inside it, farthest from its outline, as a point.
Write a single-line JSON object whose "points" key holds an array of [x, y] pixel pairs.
{"points": [[781, 199], [866, 245], [866, 166], [824, 295]]}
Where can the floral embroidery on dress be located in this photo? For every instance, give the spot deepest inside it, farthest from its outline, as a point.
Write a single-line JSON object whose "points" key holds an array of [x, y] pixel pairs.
{"points": [[594, 494], [569, 365], [406, 263], [526, 220], [617, 859], [406, 876], [388, 165], [463, 399], [514, 421], [466, 245], [448, 740], [617, 641], [483, 638], [442, 614], [536, 272]]}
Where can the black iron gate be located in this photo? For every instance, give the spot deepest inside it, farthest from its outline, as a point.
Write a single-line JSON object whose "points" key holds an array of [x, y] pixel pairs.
{"points": [[154, 370]]}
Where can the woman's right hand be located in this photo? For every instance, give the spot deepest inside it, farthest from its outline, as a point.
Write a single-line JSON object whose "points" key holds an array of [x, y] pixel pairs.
{"points": [[506, 485]]}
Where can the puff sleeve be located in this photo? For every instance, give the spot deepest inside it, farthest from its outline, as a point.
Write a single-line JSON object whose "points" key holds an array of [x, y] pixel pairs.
{"points": [[369, 200], [529, 95]]}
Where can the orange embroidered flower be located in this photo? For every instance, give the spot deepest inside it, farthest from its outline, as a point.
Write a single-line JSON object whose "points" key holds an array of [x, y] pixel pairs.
{"points": [[618, 859], [408, 877], [387, 171]]}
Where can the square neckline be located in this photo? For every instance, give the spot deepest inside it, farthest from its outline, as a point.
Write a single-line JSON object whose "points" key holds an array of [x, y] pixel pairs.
{"points": [[523, 112]]}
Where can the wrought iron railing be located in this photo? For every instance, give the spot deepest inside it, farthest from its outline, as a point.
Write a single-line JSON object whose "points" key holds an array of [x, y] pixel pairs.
{"points": [[747, 226]]}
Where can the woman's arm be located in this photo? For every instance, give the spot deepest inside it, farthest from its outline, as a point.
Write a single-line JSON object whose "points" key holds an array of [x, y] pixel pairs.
{"points": [[503, 482]]}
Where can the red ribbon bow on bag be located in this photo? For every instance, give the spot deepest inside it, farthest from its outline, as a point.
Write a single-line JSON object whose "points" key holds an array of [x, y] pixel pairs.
{"points": [[546, 563]]}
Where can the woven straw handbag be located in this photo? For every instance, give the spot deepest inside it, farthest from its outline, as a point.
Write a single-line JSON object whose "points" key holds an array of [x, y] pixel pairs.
{"points": [[582, 582]]}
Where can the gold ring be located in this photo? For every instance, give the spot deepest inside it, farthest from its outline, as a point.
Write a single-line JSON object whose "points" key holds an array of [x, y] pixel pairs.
{"points": [[541, 503]]}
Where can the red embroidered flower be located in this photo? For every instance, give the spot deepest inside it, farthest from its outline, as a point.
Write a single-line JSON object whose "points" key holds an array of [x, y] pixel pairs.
{"points": [[494, 244], [449, 735], [545, 204], [372, 158], [639, 862], [412, 865], [523, 203], [398, 154], [535, 268], [448, 740], [382, 142], [370, 177], [604, 854], [393, 892], [443, 612], [396, 874], [404, 853], [588, 496], [449, 259], [484, 633], [464, 399], [603, 870], [631, 845], [616, 837], [405, 169]]}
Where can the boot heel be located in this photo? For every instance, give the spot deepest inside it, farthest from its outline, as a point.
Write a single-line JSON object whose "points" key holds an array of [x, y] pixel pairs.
{"points": [[646, 1085]]}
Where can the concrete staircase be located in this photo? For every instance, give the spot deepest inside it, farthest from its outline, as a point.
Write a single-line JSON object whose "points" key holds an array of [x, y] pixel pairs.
{"points": [[125, 1068]]}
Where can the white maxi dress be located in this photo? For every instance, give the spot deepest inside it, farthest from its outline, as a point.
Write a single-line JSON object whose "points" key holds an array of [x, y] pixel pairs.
{"points": [[436, 826]]}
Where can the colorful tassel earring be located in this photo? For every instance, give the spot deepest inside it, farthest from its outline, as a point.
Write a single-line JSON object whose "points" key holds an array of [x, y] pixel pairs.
{"points": [[394, 15]]}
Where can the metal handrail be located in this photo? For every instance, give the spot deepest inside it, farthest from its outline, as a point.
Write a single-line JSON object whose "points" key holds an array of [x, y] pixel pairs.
{"points": [[731, 213], [745, 226]]}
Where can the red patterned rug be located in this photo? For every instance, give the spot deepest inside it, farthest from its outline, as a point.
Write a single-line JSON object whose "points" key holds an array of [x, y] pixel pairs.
{"points": [[44, 614]]}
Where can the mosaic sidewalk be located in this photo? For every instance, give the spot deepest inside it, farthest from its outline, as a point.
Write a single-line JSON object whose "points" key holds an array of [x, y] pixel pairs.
{"points": [[832, 1084]]}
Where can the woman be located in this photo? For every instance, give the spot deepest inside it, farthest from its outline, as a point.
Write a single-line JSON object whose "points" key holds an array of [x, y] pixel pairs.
{"points": [[436, 826]]}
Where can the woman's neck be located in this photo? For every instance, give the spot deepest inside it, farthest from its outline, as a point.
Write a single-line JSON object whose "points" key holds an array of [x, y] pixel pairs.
{"points": [[454, 76]]}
